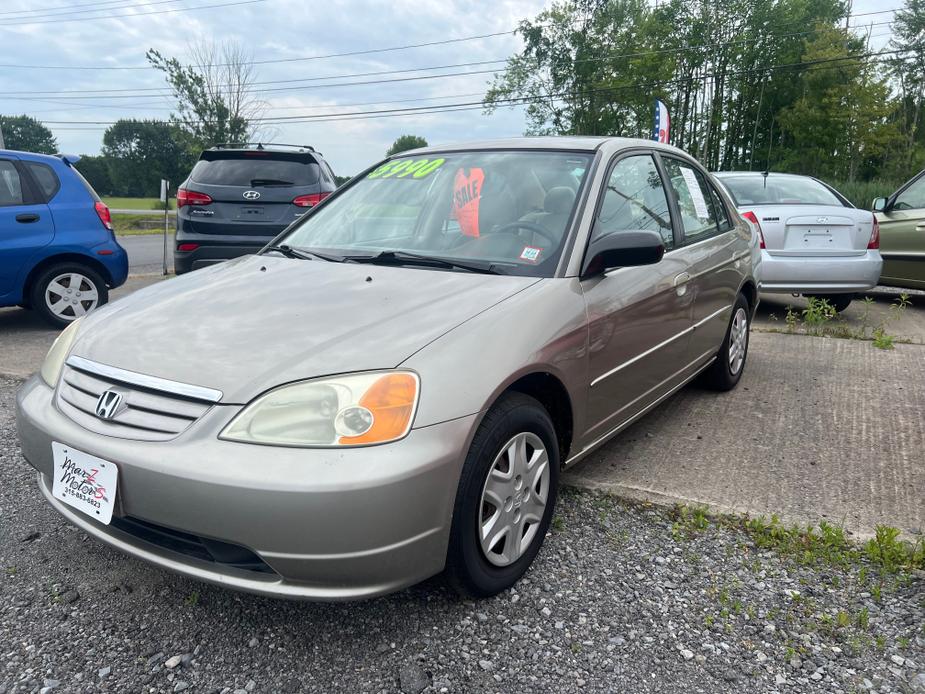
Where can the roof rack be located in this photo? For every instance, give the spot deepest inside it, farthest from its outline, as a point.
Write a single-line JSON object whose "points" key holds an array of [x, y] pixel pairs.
{"points": [[262, 145]]}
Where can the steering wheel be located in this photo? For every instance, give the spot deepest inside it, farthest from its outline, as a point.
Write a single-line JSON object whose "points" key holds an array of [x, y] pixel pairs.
{"points": [[530, 226]]}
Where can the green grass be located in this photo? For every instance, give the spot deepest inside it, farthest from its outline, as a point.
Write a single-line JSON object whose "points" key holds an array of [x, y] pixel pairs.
{"points": [[131, 224], [136, 203], [862, 193]]}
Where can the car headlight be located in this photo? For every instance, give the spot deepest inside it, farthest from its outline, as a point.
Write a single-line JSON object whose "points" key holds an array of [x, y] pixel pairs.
{"points": [[54, 360], [350, 410]]}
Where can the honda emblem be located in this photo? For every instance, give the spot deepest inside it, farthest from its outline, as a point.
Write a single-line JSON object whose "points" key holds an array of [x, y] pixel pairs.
{"points": [[108, 404]]}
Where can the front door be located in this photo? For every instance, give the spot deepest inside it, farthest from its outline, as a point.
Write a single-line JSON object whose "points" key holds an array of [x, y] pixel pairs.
{"points": [[902, 238], [639, 317], [26, 226]]}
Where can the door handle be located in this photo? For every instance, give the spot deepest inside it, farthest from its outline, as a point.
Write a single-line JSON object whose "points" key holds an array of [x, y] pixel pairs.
{"points": [[920, 227], [680, 283], [27, 218]]}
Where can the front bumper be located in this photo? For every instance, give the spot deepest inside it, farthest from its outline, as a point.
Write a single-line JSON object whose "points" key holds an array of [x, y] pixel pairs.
{"points": [[820, 274], [332, 524]]}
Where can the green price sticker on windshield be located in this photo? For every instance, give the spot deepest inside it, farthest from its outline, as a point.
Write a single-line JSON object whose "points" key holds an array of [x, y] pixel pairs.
{"points": [[407, 168]]}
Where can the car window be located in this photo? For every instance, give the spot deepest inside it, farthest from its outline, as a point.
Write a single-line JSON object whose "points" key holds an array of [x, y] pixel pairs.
{"points": [[725, 224], [46, 178], [913, 197], [696, 202], [253, 171], [10, 185], [757, 189], [635, 200], [510, 209]]}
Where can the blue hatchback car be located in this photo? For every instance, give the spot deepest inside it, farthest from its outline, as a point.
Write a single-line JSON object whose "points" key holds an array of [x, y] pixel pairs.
{"points": [[58, 254]]}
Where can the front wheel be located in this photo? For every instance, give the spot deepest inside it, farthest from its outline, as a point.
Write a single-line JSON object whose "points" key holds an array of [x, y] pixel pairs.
{"points": [[505, 499], [63, 293], [726, 371]]}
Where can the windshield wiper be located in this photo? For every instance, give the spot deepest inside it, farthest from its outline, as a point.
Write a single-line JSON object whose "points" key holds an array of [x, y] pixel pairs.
{"points": [[302, 254], [269, 182], [405, 258]]}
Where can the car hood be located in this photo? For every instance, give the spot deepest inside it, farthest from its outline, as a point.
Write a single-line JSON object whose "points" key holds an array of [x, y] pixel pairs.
{"points": [[254, 323]]}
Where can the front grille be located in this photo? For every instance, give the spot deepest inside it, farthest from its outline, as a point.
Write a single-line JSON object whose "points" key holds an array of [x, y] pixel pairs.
{"points": [[201, 548], [145, 414]]}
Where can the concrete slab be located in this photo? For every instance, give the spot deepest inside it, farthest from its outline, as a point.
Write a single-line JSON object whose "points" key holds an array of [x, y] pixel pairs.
{"points": [[818, 429], [25, 337]]}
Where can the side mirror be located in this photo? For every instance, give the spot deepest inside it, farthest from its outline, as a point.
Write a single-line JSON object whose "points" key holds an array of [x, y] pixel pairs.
{"points": [[878, 205], [622, 249]]}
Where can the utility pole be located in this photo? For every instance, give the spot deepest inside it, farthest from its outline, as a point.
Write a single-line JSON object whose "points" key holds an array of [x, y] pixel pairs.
{"points": [[2, 146]]}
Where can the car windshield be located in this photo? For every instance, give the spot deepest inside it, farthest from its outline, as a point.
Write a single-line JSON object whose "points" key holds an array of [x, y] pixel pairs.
{"points": [[253, 171], [778, 190], [505, 211]]}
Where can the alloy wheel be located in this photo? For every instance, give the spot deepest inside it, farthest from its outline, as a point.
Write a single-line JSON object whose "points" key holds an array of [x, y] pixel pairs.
{"points": [[738, 340], [513, 499], [71, 295]]}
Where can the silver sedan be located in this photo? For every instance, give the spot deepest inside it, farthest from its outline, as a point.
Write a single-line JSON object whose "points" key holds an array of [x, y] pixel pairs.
{"points": [[391, 387], [813, 240]]}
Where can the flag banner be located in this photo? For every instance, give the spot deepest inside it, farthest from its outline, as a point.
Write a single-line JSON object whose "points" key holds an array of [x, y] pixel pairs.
{"points": [[662, 122]]}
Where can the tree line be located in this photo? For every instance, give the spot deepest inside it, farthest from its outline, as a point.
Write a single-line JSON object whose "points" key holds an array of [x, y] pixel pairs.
{"points": [[778, 85]]}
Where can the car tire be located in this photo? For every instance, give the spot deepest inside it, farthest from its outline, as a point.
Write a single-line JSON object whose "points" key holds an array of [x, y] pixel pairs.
{"points": [[71, 282], [724, 373], [529, 491], [837, 301]]}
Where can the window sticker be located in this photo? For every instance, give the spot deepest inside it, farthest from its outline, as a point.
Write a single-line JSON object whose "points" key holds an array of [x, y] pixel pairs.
{"points": [[467, 191], [410, 169], [693, 186], [531, 254]]}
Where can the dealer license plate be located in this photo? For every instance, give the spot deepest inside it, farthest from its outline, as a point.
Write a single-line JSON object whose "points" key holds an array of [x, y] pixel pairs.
{"points": [[84, 481]]}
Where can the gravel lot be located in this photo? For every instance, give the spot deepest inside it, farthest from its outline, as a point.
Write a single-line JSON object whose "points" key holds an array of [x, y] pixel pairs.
{"points": [[620, 599]]}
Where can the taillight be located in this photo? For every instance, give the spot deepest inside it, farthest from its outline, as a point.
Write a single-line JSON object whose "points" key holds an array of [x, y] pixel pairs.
{"points": [[750, 216], [191, 197], [874, 242], [103, 213], [187, 247], [310, 200]]}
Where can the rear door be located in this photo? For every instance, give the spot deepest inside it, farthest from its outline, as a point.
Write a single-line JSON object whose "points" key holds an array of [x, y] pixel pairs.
{"points": [[639, 322], [26, 225], [254, 193], [902, 237]]}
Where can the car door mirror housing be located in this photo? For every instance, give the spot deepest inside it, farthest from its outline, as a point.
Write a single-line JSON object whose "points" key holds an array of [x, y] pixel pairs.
{"points": [[879, 205], [622, 249]]}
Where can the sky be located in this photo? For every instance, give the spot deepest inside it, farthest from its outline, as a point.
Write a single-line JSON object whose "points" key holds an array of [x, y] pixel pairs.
{"points": [[65, 36]]}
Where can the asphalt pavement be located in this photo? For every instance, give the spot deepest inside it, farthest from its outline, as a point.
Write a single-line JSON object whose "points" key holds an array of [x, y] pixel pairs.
{"points": [[146, 252]]}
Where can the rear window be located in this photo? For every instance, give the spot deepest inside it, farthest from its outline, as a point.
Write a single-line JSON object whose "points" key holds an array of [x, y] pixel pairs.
{"points": [[255, 171], [86, 184], [779, 190], [46, 179]]}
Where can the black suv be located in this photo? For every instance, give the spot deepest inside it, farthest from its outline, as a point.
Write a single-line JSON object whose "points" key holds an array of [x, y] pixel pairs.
{"points": [[239, 196]]}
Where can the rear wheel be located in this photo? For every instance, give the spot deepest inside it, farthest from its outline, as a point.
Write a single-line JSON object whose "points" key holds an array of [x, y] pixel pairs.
{"points": [[837, 301], [63, 293], [726, 371], [505, 499]]}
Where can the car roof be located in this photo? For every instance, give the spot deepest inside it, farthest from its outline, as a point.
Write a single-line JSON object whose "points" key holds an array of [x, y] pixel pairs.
{"points": [[32, 156], [752, 174], [547, 142]]}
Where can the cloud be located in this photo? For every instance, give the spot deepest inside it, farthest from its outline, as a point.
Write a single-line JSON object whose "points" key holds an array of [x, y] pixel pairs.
{"points": [[275, 29]]}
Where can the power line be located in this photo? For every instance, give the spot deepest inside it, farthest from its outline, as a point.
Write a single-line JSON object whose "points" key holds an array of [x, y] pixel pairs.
{"points": [[84, 11], [824, 63], [326, 56], [131, 14], [66, 7], [165, 92]]}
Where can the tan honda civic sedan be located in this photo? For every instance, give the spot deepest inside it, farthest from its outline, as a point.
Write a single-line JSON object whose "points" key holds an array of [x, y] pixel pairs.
{"points": [[391, 387]]}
